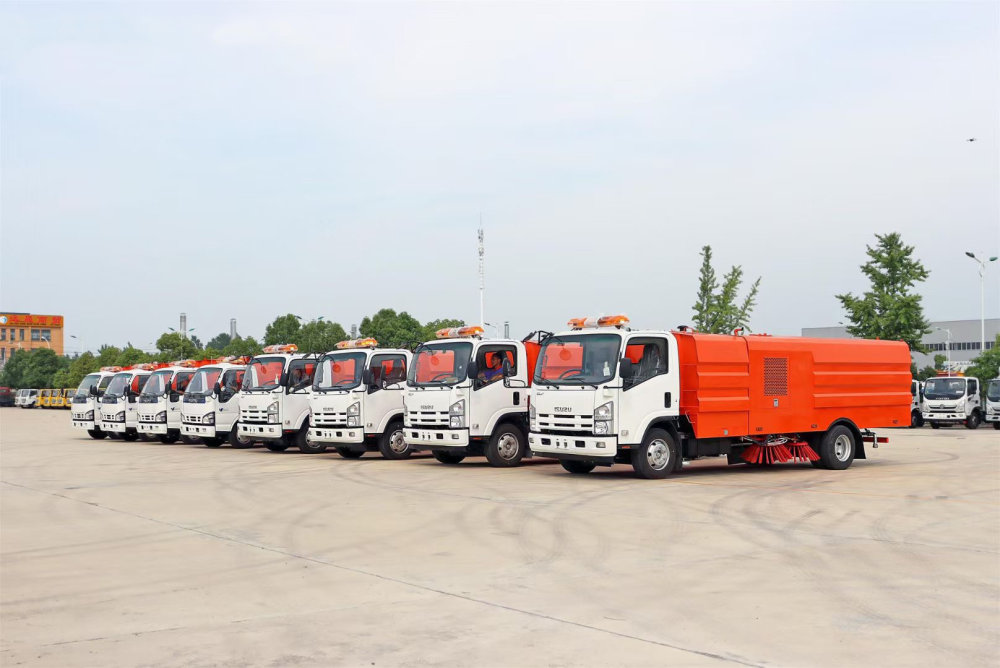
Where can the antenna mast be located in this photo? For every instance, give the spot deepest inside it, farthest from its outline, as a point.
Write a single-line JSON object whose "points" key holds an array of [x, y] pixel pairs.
{"points": [[482, 275]]}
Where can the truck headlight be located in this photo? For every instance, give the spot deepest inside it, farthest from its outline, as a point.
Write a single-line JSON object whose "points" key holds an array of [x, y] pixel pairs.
{"points": [[456, 421], [272, 413], [352, 420], [603, 419], [89, 415], [161, 416], [457, 413], [531, 417], [354, 409], [120, 417], [208, 418]]}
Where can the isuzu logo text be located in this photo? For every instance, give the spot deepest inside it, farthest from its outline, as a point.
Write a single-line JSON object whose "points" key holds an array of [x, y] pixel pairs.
{"points": [[427, 407], [563, 409]]}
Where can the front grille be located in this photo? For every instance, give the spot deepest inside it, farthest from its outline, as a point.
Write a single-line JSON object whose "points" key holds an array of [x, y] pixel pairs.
{"points": [[147, 418], [191, 419], [253, 416], [80, 416], [329, 418], [554, 423], [428, 418]]}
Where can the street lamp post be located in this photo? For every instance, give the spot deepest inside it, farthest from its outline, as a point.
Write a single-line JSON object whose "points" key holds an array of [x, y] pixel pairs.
{"points": [[982, 298]]}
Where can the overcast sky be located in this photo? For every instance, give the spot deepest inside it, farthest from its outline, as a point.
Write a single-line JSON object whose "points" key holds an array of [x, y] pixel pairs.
{"points": [[249, 160]]}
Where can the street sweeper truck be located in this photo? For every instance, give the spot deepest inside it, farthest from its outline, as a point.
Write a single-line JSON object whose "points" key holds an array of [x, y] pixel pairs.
{"points": [[605, 394]]}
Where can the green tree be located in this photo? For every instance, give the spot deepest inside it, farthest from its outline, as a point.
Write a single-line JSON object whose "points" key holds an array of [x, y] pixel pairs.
{"points": [[197, 342], [219, 341], [131, 355], [173, 346], [108, 355], [243, 346], [434, 325], [717, 309], [319, 336], [42, 366], [80, 367], [208, 353], [284, 329], [987, 365], [13, 371], [889, 309], [391, 329]]}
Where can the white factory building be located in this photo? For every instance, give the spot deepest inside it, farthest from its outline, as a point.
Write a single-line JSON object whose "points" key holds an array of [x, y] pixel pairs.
{"points": [[957, 338]]}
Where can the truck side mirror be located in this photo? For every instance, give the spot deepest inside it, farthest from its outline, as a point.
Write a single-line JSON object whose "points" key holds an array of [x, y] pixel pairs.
{"points": [[506, 367], [217, 389], [93, 390], [473, 369], [283, 381], [626, 368]]}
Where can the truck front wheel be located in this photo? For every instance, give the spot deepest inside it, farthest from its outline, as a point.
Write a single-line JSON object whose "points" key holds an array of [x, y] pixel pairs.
{"points": [[350, 453], [276, 446], [391, 443], [97, 434], [238, 441], [916, 419], [506, 446], [836, 451], [305, 445], [972, 422], [657, 456]]}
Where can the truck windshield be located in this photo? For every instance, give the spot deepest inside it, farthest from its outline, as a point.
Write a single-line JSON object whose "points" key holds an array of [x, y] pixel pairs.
{"points": [[116, 388], [578, 359], [944, 388], [204, 380], [156, 384], [440, 364], [88, 382], [339, 371], [264, 373], [993, 390]]}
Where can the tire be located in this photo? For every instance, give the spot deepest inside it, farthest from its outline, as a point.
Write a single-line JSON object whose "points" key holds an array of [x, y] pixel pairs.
{"points": [[446, 457], [303, 444], [935, 425], [190, 440], [114, 436], [507, 446], [574, 466], [973, 421], [658, 455], [350, 453], [996, 425], [236, 441], [916, 419], [391, 443], [145, 437], [276, 446], [96, 434], [211, 441], [130, 435], [838, 447], [168, 438]]}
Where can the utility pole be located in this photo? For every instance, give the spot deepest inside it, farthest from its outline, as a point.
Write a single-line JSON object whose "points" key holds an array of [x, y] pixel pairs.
{"points": [[982, 298], [482, 274]]}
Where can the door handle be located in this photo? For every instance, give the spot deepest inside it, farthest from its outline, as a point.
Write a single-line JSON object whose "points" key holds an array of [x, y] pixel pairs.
{"points": [[666, 400]]}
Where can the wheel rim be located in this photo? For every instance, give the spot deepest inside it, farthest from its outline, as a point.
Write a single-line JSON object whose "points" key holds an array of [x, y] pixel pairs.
{"points": [[842, 447], [396, 442], [508, 446], [658, 454]]}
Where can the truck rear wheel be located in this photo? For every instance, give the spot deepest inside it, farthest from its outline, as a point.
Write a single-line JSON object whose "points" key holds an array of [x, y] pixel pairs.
{"points": [[446, 457], [391, 443], [276, 446], [935, 425], [972, 422], [657, 456], [169, 438], [211, 441], [916, 419], [506, 447], [305, 445], [996, 425], [574, 466], [350, 453], [96, 434], [837, 449], [238, 441], [130, 435]]}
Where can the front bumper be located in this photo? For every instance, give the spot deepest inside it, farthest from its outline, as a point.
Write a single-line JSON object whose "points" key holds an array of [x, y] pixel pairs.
{"points": [[337, 434], [583, 446], [80, 423], [114, 427], [944, 417], [152, 428], [992, 417], [198, 430], [436, 438], [260, 431]]}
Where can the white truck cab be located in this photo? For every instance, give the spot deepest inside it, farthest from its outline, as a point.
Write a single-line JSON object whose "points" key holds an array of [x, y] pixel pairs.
{"points": [[357, 400], [211, 406], [26, 398], [119, 405], [917, 392], [952, 400], [993, 402], [466, 395], [85, 411], [274, 398], [583, 405], [159, 414]]}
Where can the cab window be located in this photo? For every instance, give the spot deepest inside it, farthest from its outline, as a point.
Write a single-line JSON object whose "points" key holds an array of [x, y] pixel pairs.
{"points": [[489, 363], [300, 374], [390, 368], [649, 359]]}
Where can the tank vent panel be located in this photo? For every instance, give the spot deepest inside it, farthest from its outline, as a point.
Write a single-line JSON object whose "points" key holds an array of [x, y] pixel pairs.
{"points": [[775, 376]]}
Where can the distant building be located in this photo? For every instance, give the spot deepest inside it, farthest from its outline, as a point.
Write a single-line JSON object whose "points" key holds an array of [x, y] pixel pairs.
{"points": [[27, 331], [963, 336]]}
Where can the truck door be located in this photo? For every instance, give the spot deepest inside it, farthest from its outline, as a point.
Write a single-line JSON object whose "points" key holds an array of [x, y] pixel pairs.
{"points": [[972, 395], [300, 378], [651, 390], [228, 400], [490, 399], [386, 369], [175, 396]]}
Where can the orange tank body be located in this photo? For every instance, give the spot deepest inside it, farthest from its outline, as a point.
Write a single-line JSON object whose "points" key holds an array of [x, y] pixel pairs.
{"points": [[759, 385]]}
